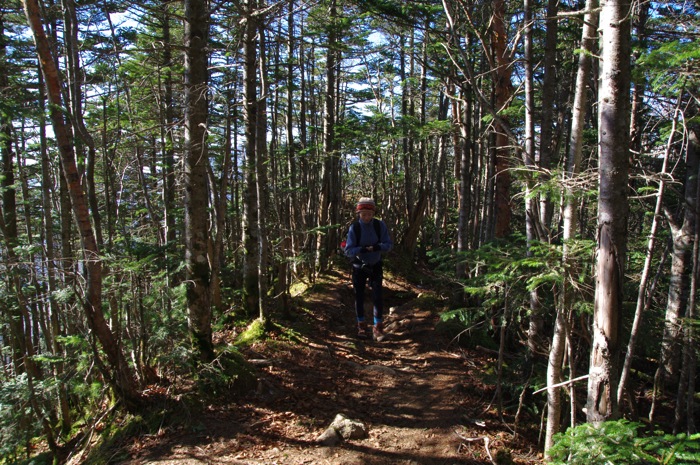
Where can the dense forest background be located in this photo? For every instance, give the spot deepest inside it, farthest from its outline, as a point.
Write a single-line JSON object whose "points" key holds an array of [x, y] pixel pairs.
{"points": [[170, 167]]}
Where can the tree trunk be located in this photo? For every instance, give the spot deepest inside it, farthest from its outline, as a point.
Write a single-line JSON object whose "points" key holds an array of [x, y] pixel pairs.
{"points": [[251, 288], [167, 137], [121, 378], [75, 111], [613, 149], [197, 240], [685, 398], [262, 182], [643, 293], [570, 220], [532, 218], [548, 143], [503, 91], [679, 282], [331, 158], [51, 268]]}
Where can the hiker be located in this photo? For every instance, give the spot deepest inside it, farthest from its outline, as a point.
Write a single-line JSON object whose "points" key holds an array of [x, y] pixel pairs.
{"points": [[368, 238]]}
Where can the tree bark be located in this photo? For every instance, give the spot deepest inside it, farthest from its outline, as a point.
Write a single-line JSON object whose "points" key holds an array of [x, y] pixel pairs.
{"points": [[643, 293], [261, 178], [613, 150], [532, 217], [685, 398], [570, 220], [330, 190], [251, 231], [120, 377], [548, 143], [197, 240], [503, 90], [75, 111]]}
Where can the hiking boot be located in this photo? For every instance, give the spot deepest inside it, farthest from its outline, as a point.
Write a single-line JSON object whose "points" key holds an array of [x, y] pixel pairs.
{"points": [[362, 330], [378, 332]]}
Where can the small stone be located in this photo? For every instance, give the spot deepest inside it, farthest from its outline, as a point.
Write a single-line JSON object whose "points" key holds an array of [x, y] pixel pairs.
{"points": [[349, 429], [329, 437]]}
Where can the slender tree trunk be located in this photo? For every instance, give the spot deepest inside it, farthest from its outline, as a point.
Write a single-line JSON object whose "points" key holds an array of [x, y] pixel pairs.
{"points": [[667, 373], [685, 399], [503, 91], [9, 207], [570, 220], [167, 136], [287, 208], [613, 130], [548, 143], [532, 217], [439, 215], [262, 181], [51, 269], [75, 110], [640, 85], [251, 229], [462, 137], [331, 164], [220, 199], [643, 293], [120, 377], [197, 239]]}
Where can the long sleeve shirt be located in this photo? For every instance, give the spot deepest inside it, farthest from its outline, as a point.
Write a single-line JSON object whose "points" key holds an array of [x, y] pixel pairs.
{"points": [[368, 236]]}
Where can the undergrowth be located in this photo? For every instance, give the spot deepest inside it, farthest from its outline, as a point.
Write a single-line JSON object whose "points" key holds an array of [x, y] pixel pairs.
{"points": [[622, 442]]}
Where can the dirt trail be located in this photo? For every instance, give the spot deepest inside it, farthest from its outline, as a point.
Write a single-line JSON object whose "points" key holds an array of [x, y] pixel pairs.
{"points": [[414, 392]]}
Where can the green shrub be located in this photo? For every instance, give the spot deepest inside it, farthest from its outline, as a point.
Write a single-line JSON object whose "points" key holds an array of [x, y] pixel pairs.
{"points": [[228, 373], [620, 443]]}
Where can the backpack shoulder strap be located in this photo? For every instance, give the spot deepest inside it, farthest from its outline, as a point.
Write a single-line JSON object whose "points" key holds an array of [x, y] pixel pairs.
{"points": [[357, 230]]}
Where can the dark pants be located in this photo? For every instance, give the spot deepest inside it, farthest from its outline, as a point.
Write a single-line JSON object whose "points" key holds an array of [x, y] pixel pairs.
{"points": [[375, 276]]}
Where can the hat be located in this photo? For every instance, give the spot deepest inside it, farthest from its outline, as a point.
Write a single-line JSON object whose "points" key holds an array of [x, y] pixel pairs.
{"points": [[365, 203]]}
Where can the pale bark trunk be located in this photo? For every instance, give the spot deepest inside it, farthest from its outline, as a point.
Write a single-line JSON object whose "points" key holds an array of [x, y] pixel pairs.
{"points": [[439, 215], [220, 200], [643, 293], [613, 130], [262, 183], [288, 208], [462, 137], [570, 220], [532, 217], [685, 398]]}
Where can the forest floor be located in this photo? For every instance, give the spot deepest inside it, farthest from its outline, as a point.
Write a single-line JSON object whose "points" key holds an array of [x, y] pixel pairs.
{"points": [[420, 394]]}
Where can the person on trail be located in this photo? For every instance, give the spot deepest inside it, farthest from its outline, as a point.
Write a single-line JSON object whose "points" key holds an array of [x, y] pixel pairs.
{"points": [[368, 238]]}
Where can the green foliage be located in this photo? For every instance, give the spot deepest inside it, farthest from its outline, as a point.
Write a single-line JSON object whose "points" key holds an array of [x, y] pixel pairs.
{"points": [[289, 334], [18, 424], [463, 326], [619, 442], [665, 63], [228, 373]]}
